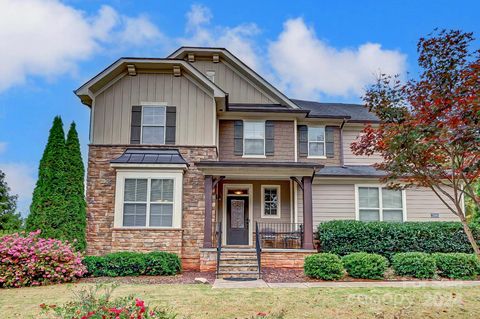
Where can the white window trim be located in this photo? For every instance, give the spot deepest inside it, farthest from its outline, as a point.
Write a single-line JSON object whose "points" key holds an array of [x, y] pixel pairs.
{"points": [[324, 143], [176, 175], [153, 104], [279, 205], [379, 186], [248, 155]]}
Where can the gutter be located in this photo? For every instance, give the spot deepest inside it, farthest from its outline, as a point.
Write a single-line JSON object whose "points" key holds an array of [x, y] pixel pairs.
{"points": [[342, 158]]}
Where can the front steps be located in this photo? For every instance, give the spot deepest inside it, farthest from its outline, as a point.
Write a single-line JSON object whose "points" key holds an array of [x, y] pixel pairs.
{"points": [[238, 263]]}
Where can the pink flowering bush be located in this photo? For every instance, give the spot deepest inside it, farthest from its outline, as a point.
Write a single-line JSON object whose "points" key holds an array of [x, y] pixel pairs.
{"points": [[34, 261]]}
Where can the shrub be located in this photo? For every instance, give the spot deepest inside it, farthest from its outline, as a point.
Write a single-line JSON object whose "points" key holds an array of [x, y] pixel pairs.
{"points": [[324, 266], [132, 264], [414, 264], [387, 238], [365, 265], [34, 261], [457, 265], [91, 304]]}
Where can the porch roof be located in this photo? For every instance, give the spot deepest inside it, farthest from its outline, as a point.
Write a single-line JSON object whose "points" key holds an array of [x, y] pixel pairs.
{"points": [[150, 156], [257, 168]]}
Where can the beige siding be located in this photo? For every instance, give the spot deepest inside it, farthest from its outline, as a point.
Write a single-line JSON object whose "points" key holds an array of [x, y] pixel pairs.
{"points": [[350, 134], [239, 89], [195, 108], [336, 200], [422, 202]]}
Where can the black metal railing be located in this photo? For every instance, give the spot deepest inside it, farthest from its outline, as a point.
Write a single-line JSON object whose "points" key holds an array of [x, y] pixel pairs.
{"points": [[218, 235], [280, 235], [258, 249]]}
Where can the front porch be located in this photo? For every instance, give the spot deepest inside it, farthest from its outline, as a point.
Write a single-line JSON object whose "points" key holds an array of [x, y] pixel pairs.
{"points": [[254, 207]]}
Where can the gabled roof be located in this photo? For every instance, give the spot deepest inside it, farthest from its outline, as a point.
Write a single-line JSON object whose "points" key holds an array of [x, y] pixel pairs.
{"points": [[119, 67], [351, 112], [182, 52]]}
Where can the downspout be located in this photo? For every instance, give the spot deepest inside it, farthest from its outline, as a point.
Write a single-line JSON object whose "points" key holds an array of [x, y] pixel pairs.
{"points": [[342, 159]]}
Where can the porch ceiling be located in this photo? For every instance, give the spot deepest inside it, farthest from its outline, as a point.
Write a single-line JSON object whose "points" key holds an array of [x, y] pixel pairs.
{"points": [[256, 170]]}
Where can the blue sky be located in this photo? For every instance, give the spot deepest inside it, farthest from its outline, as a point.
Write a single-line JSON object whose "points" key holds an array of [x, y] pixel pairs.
{"points": [[322, 50]]}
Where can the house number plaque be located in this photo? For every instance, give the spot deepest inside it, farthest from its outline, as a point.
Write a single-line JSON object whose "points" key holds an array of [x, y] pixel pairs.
{"points": [[237, 219]]}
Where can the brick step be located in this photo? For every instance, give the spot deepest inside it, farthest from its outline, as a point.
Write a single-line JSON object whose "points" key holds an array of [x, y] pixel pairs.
{"points": [[238, 268], [238, 274], [242, 260], [238, 254]]}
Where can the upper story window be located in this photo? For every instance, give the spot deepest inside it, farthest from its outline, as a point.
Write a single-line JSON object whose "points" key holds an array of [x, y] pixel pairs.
{"points": [[254, 138], [153, 124], [211, 75], [316, 141], [380, 204], [270, 201]]}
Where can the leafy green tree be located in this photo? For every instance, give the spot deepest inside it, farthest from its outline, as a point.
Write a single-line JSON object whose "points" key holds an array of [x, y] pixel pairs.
{"points": [[74, 191], [10, 220], [47, 211]]}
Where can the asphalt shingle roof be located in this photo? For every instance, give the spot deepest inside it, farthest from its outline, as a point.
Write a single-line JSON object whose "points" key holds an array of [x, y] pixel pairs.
{"points": [[352, 112], [346, 171]]}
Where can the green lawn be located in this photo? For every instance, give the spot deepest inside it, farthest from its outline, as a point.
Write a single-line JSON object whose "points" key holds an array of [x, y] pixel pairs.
{"points": [[197, 301]]}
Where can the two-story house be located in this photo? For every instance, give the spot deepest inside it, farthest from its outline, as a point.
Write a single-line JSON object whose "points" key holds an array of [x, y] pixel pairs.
{"points": [[197, 150]]}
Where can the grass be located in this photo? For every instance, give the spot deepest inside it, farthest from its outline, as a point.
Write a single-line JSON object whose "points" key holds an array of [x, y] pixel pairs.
{"points": [[198, 301]]}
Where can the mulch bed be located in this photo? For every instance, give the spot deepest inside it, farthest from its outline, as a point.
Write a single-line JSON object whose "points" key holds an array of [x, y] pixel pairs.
{"points": [[187, 277]]}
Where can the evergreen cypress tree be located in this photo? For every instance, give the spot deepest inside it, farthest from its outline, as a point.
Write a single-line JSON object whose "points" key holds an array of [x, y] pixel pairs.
{"points": [[10, 221], [47, 211], [74, 192]]}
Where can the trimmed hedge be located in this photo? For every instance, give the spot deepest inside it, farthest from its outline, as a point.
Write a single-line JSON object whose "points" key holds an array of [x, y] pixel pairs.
{"points": [[414, 264], [324, 266], [132, 264], [387, 238], [457, 265], [365, 265]]}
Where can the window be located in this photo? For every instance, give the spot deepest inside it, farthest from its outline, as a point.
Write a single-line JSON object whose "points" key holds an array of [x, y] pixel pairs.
{"points": [[211, 76], [380, 204], [316, 141], [148, 199], [153, 124], [254, 138], [271, 201]]}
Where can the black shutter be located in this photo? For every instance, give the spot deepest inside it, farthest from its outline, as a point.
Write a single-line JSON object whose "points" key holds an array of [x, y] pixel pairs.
{"points": [[329, 141], [170, 125], [269, 138], [136, 124], [238, 138], [302, 132]]}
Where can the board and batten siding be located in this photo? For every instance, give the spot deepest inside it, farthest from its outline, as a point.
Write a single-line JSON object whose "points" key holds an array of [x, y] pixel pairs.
{"points": [[195, 120], [239, 88], [336, 201], [350, 134]]}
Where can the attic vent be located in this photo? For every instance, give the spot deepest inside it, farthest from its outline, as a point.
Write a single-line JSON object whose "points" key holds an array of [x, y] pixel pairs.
{"points": [[131, 69], [216, 58], [191, 57], [176, 70]]}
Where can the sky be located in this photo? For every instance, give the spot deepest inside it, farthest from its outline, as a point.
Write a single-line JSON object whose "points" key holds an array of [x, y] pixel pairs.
{"points": [[318, 50]]}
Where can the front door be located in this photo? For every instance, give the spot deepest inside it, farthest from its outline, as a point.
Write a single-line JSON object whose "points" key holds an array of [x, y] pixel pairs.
{"points": [[237, 220]]}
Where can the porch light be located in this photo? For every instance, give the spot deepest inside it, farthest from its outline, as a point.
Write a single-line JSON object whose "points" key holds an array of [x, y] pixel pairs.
{"points": [[239, 192]]}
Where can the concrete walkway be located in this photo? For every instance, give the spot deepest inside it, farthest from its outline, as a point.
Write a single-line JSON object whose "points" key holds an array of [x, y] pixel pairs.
{"points": [[226, 284]]}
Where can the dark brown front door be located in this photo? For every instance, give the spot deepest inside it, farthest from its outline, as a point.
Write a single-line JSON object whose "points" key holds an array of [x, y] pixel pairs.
{"points": [[237, 220]]}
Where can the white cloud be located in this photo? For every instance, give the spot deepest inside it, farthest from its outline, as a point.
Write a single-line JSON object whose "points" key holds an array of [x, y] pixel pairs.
{"points": [[239, 39], [21, 179], [307, 67], [47, 38], [3, 147]]}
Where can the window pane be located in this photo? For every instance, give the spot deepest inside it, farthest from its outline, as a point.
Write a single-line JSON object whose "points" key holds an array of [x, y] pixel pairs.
{"points": [[153, 135], [316, 149], [154, 115], [161, 190], [254, 130], [392, 215], [254, 147], [270, 201], [316, 134], [161, 215], [135, 190], [391, 198], [368, 197], [134, 214], [368, 215]]}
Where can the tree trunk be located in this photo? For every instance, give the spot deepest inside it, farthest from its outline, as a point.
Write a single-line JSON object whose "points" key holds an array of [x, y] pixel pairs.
{"points": [[470, 237]]}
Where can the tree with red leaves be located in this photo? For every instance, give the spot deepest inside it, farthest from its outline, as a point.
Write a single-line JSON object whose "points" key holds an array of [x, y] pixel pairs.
{"points": [[429, 135]]}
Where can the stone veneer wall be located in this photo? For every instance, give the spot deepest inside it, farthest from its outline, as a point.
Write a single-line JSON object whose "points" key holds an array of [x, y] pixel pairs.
{"points": [[103, 238]]}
